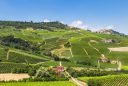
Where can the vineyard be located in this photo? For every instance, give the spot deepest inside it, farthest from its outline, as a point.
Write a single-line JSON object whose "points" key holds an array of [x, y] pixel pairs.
{"points": [[56, 63], [6, 67], [21, 57], [113, 80], [82, 50], [39, 51]]}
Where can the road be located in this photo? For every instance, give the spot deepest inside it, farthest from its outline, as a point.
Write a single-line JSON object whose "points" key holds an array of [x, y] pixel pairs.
{"points": [[76, 81]]}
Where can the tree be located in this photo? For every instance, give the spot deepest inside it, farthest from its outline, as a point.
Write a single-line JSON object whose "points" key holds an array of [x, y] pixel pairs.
{"points": [[68, 44], [32, 72]]}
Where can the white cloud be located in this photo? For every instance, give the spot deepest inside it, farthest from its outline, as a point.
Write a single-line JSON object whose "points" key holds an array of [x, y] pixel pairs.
{"points": [[78, 24], [62, 22], [110, 27], [93, 27], [46, 20], [98, 27]]}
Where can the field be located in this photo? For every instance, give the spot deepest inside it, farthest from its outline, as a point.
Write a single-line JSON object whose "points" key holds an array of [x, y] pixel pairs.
{"points": [[119, 49], [7, 67], [57, 83], [10, 76], [21, 57], [112, 80]]}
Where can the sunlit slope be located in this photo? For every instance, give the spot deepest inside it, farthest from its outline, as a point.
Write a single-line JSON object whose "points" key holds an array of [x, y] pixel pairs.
{"points": [[86, 47]]}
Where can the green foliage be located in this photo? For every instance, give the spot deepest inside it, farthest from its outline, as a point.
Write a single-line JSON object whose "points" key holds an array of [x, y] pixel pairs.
{"points": [[37, 25], [95, 82], [91, 72], [49, 74], [68, 44]]}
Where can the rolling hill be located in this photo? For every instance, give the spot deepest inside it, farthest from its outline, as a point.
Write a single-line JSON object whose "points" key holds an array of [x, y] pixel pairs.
{"points": [[35, 45]]}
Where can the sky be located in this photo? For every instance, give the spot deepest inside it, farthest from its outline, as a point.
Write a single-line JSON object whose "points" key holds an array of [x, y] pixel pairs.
{"points": [[91, 14]]}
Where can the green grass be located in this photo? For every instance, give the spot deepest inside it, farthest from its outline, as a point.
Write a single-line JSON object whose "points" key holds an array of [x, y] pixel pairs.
{"points": [[56, 83], [125, 67]]}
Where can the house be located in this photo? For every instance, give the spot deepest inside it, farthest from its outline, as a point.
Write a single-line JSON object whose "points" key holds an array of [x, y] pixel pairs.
{"points": [[104, 59], [58, 69], [114, 62]]}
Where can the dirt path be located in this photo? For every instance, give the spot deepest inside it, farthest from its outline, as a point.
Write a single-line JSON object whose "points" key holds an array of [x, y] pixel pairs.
{"points": [[76, 81], [38, 71], [60, 63], [71, 52], [102, 55], [119, 65], [119, 49], [8, 54], [94, 47], [86, 53]]}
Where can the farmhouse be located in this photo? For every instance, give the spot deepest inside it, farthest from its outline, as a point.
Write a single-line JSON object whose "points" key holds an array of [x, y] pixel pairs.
{"points": [[58, 69], [104, 59], [108, 40]]}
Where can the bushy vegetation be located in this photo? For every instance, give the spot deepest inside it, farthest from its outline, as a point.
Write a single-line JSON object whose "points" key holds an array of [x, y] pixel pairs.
{"points": [[92, 72], [50, 74], [37, 25]]}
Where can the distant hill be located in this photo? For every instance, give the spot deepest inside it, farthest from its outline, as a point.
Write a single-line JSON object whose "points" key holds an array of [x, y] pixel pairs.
{"points": [[34, 25], [109, 31]]}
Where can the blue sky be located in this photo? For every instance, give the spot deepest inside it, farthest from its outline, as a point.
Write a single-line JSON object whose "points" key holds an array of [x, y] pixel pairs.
{"points": [[93, 14]]}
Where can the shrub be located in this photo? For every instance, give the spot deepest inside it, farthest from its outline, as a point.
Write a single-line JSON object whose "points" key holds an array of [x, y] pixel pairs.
{"points": [[94, 82]]}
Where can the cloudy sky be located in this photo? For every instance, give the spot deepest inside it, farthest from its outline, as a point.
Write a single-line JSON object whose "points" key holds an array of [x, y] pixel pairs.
{"points": [[92, 14]]}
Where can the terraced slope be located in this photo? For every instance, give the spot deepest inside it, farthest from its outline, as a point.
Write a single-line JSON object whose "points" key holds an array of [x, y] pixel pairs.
{"points": [[86, 47]]}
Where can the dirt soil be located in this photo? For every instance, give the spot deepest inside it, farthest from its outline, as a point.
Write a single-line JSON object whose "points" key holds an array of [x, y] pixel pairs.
{"points": [[119, 49], [10, 76]]}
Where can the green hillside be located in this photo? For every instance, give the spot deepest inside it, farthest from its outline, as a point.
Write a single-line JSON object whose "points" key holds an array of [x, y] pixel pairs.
{"points": [[46, 44], [38, 48]]}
